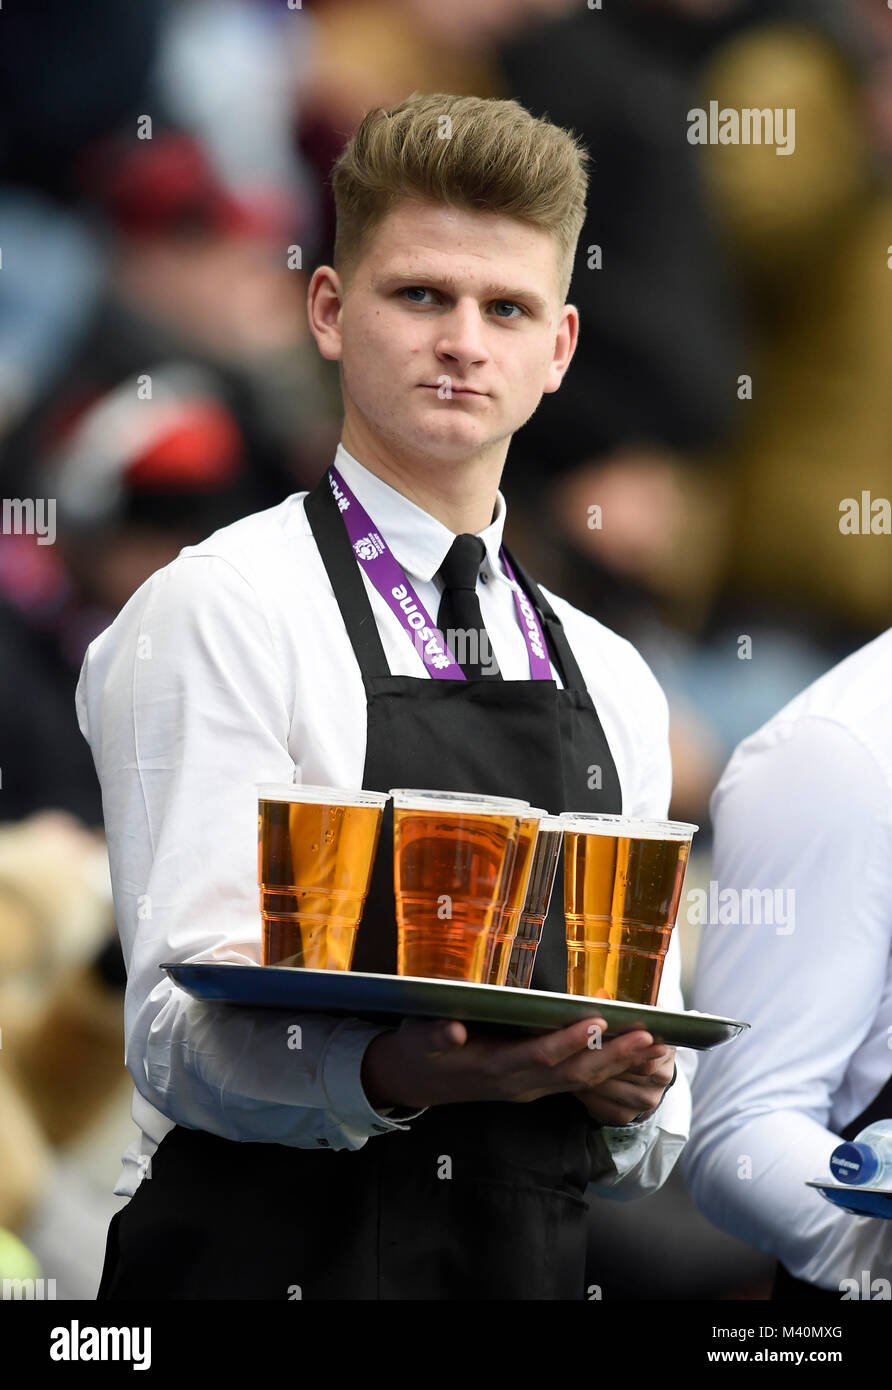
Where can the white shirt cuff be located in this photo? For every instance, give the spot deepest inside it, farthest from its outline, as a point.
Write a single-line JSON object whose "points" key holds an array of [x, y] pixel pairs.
{"points": [[341, 1079], [627, 1144], [617, 1149]]}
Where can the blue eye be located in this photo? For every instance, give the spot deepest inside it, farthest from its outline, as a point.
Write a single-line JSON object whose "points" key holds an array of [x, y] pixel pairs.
{"points": [[510, 303], [424, 289]]}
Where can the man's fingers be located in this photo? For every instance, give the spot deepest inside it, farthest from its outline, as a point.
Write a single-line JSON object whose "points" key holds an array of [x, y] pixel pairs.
{"points": [[637, 1046], [551, 1049], [446, 1035], [626, 1093], [614, 1058], [578, 1054], [649, 1066], [543, 1061], [637, 1078], [586, 1036]]}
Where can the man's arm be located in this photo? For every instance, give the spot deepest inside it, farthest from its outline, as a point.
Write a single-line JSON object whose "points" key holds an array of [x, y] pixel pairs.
{"points": [[185, 704], [801, 821]]}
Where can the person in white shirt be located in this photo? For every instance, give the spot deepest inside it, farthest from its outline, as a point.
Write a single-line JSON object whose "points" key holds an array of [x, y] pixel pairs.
{"points": [[272, 653], [801, 949]]}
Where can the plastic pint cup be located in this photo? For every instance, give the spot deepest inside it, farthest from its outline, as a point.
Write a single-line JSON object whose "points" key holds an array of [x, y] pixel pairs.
{"points": [[453, 853], [622, 885], [505, 930], [538, 900], [316, 848]]}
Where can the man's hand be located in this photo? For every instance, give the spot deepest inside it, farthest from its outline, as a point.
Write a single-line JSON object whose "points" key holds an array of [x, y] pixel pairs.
{"points": [[633, 1093], [426, 1062]]}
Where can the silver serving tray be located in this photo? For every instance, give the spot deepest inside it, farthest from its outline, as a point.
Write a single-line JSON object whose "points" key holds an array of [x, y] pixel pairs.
{"points": [[393, 997]]}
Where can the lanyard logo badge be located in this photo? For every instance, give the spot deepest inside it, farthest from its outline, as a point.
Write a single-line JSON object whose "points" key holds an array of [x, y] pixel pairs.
{"points": [[369, 547]]}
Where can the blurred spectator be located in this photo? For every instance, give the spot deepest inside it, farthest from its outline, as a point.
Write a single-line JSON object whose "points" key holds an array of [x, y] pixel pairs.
{"points": [[194, 272], [650, 425], [811, 246], [68, 75], [230, 73], [418, 45], [133, 480], [62, 1045], [52, 274]]}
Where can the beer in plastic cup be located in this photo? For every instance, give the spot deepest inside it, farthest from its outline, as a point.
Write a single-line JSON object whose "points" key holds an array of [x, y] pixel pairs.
{"points": [[502, 937], [316, 848], [452, 858], [538, 900], [622, 885]]}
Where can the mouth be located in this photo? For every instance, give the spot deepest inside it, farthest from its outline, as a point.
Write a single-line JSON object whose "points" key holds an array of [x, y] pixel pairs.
{"points": [[455, 391]]}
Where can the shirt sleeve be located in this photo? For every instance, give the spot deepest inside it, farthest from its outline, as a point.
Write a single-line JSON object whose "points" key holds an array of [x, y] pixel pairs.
{"points": [[802, 821], [183, 702], [630, 1161]]}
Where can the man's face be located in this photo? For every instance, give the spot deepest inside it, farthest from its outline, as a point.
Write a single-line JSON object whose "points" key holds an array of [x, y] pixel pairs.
{"points": [[444, 300]]}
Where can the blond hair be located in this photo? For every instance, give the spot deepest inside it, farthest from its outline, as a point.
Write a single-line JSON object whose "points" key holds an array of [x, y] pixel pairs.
{"points": [[493, 156]]}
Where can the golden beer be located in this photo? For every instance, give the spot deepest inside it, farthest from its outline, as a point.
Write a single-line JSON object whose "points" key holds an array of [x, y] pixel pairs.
{"points": [[452, 859], [501, 938], [538, 900], [622, 886], [316, 847]]}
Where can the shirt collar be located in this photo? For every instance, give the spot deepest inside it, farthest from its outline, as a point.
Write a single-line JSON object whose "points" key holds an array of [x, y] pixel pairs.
{"points": [[418, 540]]}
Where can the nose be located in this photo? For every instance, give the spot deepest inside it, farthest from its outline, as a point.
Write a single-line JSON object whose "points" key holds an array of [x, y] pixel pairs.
{"points": [[460, 340]]}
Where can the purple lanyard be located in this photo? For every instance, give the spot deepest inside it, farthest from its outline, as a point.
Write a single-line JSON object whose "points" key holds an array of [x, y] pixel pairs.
{"points": [[376, 559]]}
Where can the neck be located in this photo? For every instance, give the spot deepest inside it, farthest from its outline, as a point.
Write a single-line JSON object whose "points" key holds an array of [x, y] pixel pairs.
{"points": [[461, 496]]}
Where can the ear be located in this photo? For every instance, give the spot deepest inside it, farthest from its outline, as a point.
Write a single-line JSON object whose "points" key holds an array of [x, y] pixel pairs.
{"points": [[566, 338], [325, 302]]}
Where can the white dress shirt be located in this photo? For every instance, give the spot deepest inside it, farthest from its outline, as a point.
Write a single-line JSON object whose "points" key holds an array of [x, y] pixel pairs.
{"points": [[803, 807], [232, 666]]}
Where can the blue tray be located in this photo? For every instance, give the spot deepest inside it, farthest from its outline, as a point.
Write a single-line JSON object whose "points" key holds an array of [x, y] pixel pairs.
{"points": [[860, 1201]]}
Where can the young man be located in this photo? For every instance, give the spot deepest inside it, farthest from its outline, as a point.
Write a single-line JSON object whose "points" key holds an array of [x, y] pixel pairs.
{"points": [[268, 654]]}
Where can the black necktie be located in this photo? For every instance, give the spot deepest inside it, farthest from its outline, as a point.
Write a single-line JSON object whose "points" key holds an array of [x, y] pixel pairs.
{"points": [[459, 618]]}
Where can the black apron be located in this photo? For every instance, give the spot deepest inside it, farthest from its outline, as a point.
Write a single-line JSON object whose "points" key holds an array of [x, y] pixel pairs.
{"points": [[220, 1219], [786, 1286]]}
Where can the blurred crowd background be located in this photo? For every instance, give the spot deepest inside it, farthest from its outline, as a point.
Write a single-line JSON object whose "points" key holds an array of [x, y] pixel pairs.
{"points": [[163, 202]]}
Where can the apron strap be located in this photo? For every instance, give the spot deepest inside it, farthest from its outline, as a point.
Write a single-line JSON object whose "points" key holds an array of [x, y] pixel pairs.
{"points": [[880, 1108], [331, 537], [561, 651]]}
